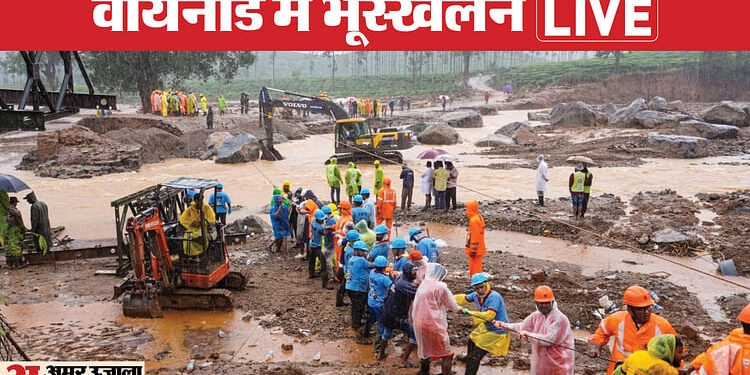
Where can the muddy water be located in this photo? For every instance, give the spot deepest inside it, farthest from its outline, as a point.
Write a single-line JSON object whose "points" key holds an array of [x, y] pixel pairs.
{"points": [[83, 205]]}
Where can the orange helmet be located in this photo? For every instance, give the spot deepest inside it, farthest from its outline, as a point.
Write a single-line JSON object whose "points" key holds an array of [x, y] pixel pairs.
{"points": [[744, 316], [637, 296], [543, 293], [345, 205]]}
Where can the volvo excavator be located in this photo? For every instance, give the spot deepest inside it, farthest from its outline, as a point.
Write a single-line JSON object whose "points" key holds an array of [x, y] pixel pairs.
{"points": [[161, 274], [354, 140]]}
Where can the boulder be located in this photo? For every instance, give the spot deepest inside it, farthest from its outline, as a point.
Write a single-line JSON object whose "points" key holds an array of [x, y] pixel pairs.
{"points": [[519, 132], [463, 119], [441, 134], [650, 119], [728, 113], [420, 127], [494, 140], [657, 103], [578, 113], [679, 146], [609, 108], [542, 116], [702, 129], [241, 148], [626, 116]]}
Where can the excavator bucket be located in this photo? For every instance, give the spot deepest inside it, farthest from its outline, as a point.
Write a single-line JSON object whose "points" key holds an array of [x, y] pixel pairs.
{"points": [[139, 305]]}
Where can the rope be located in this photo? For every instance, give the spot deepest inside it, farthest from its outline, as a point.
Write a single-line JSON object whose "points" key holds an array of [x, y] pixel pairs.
{"points": [[560, 345]]}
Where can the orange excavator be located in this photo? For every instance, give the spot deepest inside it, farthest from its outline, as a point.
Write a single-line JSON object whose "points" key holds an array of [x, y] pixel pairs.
{"points": [[161, 275]]}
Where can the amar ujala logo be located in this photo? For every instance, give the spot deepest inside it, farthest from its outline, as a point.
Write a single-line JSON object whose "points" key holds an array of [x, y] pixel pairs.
{"points": [[597, 20]]}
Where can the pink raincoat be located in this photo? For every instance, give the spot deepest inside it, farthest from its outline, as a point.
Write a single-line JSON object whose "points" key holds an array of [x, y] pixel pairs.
{"points": [[547, 358], [429, 315]]}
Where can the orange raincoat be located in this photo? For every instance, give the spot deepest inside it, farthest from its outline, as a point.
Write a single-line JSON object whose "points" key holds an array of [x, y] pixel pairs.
{"points": [[475, 247]]}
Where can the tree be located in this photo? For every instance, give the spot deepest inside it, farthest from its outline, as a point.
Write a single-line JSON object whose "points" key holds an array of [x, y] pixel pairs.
{"points": [[145, 71], [616, 54], [466, 55]]}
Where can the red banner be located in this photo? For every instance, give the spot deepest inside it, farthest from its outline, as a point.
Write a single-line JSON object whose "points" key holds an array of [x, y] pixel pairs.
{"points": [[374, 25]]}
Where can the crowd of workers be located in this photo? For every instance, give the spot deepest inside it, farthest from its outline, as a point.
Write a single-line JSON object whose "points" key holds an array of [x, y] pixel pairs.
{"points": [[396, 284]]}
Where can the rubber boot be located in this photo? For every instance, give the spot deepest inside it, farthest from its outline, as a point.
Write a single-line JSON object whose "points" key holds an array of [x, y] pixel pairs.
{"points": [[381, 349], [541, 200], [447, 365], [424, 367], [472, 365], [328, 286], [407, 352]]}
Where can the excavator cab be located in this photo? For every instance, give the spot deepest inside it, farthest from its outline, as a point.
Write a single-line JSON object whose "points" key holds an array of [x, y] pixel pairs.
{"points": [[174, 265]]}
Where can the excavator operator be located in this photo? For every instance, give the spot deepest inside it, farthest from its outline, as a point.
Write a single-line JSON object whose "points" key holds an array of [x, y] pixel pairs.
{"points": [[197, 234]]}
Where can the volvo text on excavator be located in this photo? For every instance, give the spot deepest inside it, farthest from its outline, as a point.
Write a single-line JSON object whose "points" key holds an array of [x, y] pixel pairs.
{"points": [[354, 140], [169, 265]]}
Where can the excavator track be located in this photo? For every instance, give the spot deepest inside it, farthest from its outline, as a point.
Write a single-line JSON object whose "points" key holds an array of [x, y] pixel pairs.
{"points": [[236, 280], [198, 299]]}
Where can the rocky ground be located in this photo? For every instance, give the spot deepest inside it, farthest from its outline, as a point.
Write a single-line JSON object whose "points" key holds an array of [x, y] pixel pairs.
{"points": [[611, 226]]}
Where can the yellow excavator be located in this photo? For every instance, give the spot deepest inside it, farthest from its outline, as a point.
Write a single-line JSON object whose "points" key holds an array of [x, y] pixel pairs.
{"points": [[354, 140]]}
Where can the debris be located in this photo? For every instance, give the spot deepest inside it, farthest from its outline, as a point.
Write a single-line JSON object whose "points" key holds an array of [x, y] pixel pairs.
{"points": [[287, 347], [539, 275], [316, 357], [629, 261]]}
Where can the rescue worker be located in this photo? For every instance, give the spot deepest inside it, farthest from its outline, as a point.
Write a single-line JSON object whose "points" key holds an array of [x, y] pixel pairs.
{"points": [[223, 205], [486, 337], [631, 328], [192, 104], [586, 189], [222, 105], [316, 245], [14, 236], [358, 175], [550, 333], [475, 248], [357, 282], [386, 204], [204, 104], [359, 212], [352, 236], [344, 218], [379, 176], [664, 350], [328, 251], [407, 186], [210, 118], [398, 247], [576, 188], [430, 319], [369, 205], [197, 219], [425, 244], [729, 356], [367, 234], [286, 191], [542, 177], [279, 214], [165, 104], [396, 313], [351, 176], [379, 283], [382, 244], [333, 176], [40, 225]]}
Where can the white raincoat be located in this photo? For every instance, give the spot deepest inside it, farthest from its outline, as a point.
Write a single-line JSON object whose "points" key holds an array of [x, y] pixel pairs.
{"points": [[541, 174], [552, 354]]}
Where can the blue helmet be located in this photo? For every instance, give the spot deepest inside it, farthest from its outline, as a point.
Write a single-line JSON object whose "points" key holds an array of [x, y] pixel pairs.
{"points": [[478, 278], [360, 245], [320, 215], [413, 231], [398, 243], [358, 199], [364, 191], [220, 186], [381, 229], [352, 236], [380, 261], [326, 210]]}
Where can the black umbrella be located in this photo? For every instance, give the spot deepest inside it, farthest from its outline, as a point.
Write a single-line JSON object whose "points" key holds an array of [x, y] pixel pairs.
{"points": [[12, 184]]}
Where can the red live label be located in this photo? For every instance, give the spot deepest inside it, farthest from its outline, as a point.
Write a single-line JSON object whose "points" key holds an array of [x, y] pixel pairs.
{"points": [[597, 20]]}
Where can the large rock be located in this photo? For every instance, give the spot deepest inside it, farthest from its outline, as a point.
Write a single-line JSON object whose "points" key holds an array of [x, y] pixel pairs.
{"points": [[158, 145], [441, 134], [577, 113], [519, 132], [463, 119], [705, 130], [649, 119], [241, 148], [679, 146], [538, 116], [728, 113], [627, 116], [494, 140]]}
